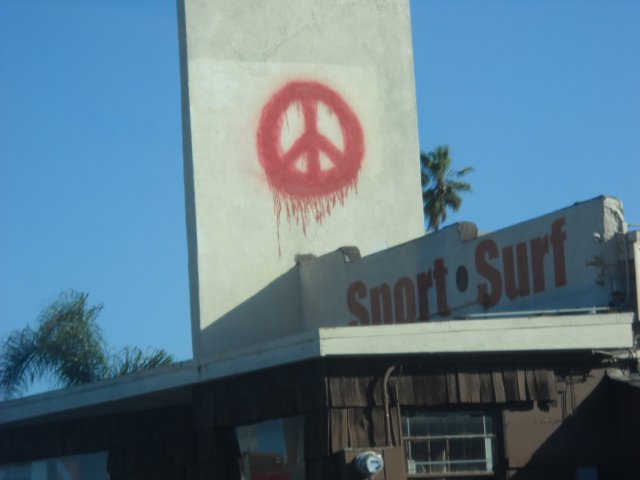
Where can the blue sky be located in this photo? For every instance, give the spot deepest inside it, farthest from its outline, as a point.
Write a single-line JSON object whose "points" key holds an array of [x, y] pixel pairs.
{"points": [[540, 97]]}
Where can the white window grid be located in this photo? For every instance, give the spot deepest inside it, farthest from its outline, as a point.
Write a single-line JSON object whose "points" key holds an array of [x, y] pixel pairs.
{"points": [[443, 468]]}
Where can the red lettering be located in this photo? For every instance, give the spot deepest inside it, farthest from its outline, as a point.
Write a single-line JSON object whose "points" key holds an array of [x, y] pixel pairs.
{"points": [[518, 270], [488, 248], [381, 305], [510, 288], [358, 290], [539, 248], [404, 298]]}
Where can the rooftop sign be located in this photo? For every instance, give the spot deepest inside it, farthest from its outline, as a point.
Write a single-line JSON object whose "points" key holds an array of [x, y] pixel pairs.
{"points": [[565, 260]]}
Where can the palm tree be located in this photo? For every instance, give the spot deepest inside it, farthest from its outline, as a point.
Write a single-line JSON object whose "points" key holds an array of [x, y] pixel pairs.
{"points": [[68, 345], [439, 189]]}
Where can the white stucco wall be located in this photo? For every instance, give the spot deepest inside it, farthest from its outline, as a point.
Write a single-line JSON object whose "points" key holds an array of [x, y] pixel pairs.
{"points": [[257, 77]]}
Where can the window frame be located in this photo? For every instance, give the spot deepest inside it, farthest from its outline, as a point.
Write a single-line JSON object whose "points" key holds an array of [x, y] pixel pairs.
{"points": [[243, 433], [493, 437]]}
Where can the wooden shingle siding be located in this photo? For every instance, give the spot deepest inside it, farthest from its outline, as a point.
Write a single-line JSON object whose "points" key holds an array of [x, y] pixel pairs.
{"points": [[353, 388], [343, 403], [361, 427], [478, 387], [355, 391], [510, 384], [522, 388], [453, 395], [499, 391]]}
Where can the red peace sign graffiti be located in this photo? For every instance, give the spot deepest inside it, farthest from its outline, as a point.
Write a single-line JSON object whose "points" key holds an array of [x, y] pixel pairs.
{"points": [[314, 190], [280, 166]]}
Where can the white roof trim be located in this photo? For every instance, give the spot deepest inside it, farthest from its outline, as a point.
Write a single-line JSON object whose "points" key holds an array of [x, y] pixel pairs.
{"points": [[549, 333]]}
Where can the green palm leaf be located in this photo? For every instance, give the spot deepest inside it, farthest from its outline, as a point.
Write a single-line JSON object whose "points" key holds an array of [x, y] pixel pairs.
{"points": [[68, 346], [439, 189]]}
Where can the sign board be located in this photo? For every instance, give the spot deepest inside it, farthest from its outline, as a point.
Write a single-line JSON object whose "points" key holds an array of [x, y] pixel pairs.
{"points": [[569, 259], [300, 136]]}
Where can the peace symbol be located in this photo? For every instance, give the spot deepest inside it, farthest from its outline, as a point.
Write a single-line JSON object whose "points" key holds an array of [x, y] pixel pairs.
{"points": [[280, 166]]}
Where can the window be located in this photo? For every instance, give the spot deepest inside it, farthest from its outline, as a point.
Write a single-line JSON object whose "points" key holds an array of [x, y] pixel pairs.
{"points": [[442, 445], [74, 467], [272, 450]]}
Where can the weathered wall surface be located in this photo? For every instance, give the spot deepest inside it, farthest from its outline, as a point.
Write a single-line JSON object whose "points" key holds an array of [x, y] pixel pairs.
{"points": [[300, 137]]}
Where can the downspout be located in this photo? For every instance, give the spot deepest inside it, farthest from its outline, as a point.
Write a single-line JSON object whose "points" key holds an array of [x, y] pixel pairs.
{"points": [[385, 397]]}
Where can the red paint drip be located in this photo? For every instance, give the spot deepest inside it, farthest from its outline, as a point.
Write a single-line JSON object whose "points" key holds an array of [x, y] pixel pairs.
{"points": [[301, 210], [315, 192]]}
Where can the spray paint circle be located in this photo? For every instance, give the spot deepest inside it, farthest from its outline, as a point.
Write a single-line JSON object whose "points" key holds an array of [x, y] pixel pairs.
{"points": [[314, 190]]}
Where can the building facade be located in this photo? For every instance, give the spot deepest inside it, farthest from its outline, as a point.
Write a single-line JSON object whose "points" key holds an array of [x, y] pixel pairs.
{"points": [[538, 385]]}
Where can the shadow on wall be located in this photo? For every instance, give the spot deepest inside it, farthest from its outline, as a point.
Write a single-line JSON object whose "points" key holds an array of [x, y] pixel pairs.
{"points": [[628, 407], [302, 299], [579, 437], [274, 312]]}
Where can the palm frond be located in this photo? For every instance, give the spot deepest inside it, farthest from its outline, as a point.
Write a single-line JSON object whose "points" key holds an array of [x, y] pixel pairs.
{"points": [[67, 344], [132, 359], [464, 171], [460, 186], [19, 363], [439, 190], [71, 340]]}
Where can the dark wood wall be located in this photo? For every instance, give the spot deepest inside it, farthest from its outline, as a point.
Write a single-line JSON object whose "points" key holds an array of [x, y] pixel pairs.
{"points": [[145, 444], [553, 418]]}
